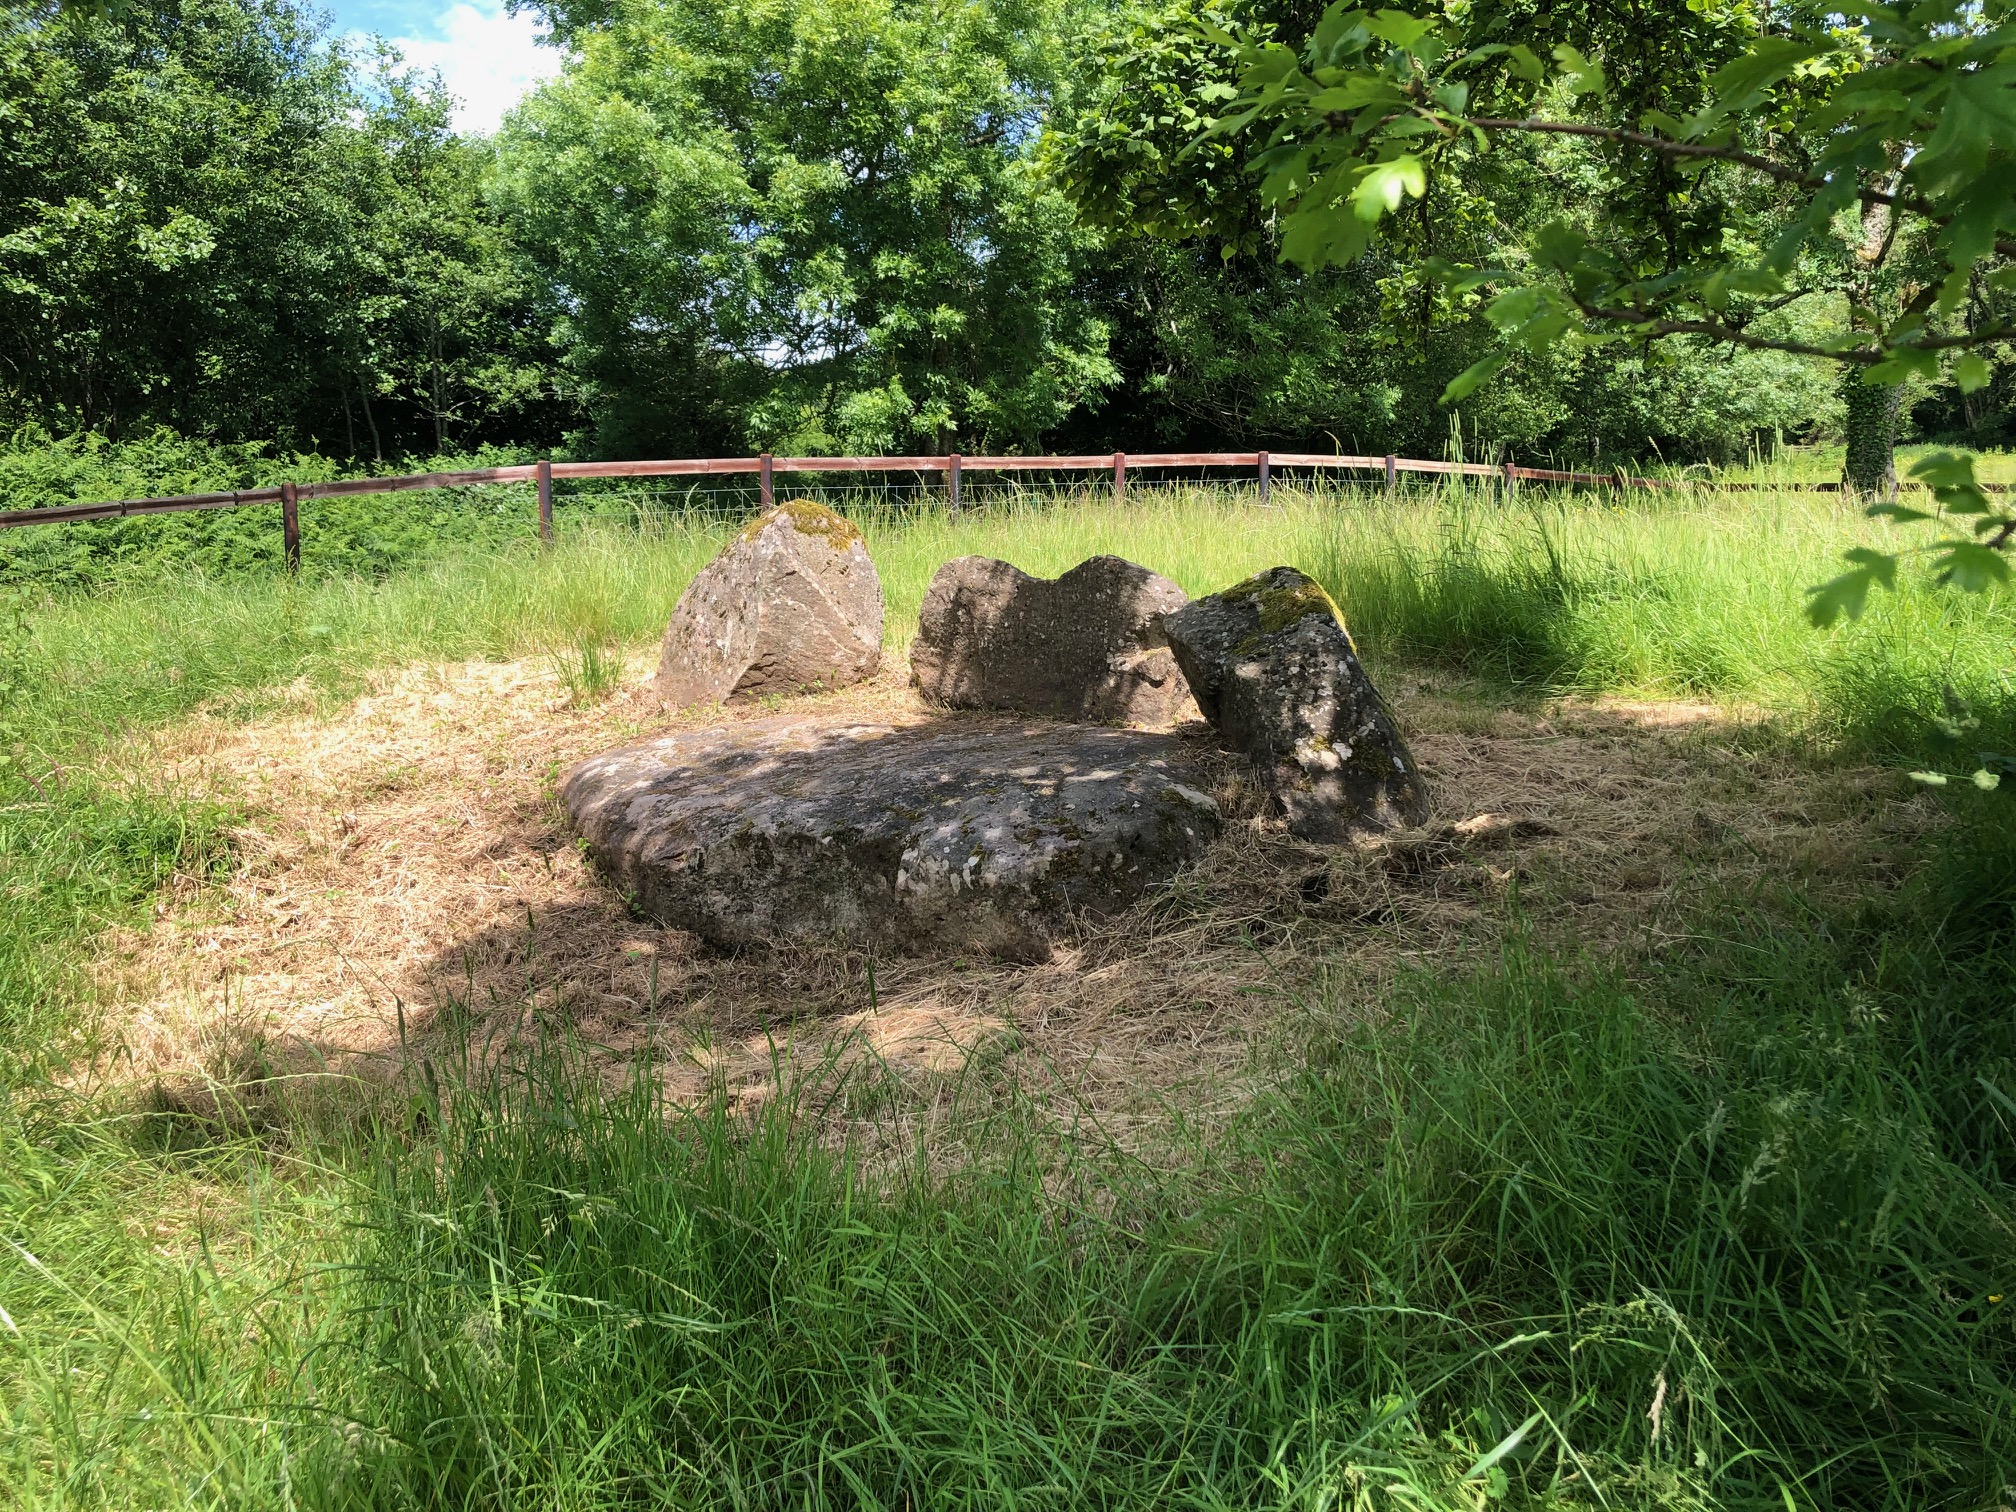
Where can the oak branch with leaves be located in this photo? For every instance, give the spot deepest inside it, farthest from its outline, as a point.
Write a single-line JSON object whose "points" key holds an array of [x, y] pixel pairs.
{"points": [[1862, 153]]}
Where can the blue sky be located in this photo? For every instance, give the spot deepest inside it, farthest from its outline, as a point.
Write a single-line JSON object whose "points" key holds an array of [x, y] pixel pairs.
{"points": [[488, 59]]}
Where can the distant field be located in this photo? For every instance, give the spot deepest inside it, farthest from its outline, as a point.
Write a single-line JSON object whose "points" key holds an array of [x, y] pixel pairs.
{"points": [[1822, 464], [1656, 1158]]}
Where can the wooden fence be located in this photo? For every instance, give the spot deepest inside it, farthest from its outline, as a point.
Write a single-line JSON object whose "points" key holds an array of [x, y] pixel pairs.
{"points": [[952, 467]]}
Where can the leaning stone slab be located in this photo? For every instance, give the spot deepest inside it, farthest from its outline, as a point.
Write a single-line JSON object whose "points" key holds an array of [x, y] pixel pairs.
{"points": [[932, 838], [1273, 668], [792, 603], [1086, 646]]}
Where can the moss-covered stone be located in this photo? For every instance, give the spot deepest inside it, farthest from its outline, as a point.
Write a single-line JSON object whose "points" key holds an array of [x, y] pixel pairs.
{"points": [[1085, 646], [930, 839], [1280, 599], [792, 603], [1273, 667], [807, 518]]}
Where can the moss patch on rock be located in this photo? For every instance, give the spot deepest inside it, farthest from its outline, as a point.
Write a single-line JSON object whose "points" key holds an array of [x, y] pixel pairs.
{"points": [[807, 518], [1280, 604]]}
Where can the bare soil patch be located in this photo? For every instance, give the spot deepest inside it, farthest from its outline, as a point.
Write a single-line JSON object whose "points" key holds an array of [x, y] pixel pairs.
{"points": [[406, 873]]}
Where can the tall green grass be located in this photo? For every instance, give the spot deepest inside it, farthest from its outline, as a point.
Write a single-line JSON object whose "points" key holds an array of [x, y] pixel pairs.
{"points": [[1690, 594], [1731, 1233], [1491, 1230]]}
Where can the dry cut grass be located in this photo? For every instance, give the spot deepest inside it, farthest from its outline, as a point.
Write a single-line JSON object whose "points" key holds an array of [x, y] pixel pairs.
{"points": [[406, 873]]}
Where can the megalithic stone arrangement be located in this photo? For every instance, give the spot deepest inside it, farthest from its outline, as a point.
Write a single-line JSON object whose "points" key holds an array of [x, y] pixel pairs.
{"points": [[1273, 668], [992, 835], [793, 603], [1086, 646]]}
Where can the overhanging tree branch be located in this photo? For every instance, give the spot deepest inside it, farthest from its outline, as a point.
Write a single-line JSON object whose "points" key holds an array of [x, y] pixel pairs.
{"points": [[1785, 173], [1648, 325]]}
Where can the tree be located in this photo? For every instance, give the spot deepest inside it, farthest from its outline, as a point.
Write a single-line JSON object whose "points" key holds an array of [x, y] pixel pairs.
{"points": [[211, 219], [1756, 162], [448, 323], [1137, 149], [814, 227]]}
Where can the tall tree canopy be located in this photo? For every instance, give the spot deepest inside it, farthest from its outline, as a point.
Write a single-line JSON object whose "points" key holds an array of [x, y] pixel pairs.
{"points": [[1743, 170], [211, 220], [899, 225], [817, 224]]}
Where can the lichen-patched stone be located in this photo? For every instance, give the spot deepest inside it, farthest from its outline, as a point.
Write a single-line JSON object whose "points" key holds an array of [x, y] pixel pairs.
{"points": [[793, 602], [962, 836], [1085, 646], [1272, 666]]}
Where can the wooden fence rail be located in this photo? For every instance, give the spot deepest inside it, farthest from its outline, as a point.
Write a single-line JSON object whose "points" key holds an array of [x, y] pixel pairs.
{"points": [[953, 467]]}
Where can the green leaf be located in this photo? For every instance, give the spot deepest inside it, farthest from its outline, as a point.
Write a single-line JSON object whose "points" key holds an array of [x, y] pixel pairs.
{"points": [[1526, 64], [1503, 1447], [1740, 84], [1944, 469], [1397, 27], [1384, 185], [1466, 381], [1848, 595], [1905, 362], [1579, 74], [1341, 31], [1972, 373], [1356, 92], [1950, 476], [1515, 307], [1972, 567]]}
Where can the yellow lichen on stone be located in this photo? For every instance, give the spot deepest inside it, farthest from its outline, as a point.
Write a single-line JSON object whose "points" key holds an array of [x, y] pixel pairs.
{"points": [[1282, 606], [807, 518]]}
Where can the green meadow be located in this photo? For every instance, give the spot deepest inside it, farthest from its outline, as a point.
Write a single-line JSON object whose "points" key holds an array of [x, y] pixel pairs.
{"points": [[1718, 1220]]}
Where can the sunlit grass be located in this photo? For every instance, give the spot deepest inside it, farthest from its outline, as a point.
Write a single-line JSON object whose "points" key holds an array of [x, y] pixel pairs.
{"points": [[1692, 594]]}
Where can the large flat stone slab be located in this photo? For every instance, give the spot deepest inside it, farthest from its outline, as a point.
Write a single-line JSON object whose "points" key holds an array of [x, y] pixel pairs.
{"points": [[961, 835], [1086, 646], [792, 603]]}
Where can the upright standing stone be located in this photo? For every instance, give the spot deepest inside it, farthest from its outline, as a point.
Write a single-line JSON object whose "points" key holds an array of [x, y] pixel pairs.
{"points": [[793, 603], [1273, 668], [1087, 646]]}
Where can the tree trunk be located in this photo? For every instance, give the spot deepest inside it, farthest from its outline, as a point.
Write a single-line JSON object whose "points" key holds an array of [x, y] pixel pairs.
{"points": [[370, 420], [1870, 467], [440, 394]]}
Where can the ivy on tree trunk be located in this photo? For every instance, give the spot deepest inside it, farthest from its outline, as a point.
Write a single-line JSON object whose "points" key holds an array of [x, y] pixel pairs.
{"points": [[1870, 467]]}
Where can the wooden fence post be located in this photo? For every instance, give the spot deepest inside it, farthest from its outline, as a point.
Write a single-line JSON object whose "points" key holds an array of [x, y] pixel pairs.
{"points": [[290, 528], [1507, 482], [1265, 482], [764, 494], [1119, 477], [546, 501], [952, 483], [1392, 472]]}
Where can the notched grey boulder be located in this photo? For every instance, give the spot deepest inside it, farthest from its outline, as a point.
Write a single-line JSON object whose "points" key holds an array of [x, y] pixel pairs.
{"points": [[953, 837], [792, 603], [1272, 666], [1085, 646]]}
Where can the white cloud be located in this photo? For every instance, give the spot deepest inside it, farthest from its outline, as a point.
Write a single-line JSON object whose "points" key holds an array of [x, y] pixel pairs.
{"points": [[488, 59]]}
